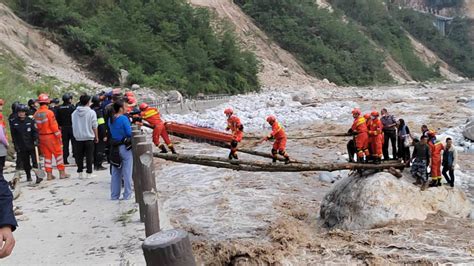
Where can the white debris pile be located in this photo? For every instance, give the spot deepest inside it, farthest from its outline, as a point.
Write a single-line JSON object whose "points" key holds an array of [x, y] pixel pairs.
{"points": [[254, 108]]}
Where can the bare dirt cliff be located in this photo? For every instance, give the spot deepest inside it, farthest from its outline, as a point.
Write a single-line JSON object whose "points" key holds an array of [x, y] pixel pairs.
{"points": [[279, 66], [41, 56]]}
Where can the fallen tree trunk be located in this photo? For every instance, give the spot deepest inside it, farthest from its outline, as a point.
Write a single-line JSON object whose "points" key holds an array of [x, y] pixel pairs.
{"points": [[251, 166], [261, 154], [324, 135]]}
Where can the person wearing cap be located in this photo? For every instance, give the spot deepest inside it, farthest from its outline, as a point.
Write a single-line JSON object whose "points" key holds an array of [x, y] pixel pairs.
{"points": [[359, 130], [32, 108], [64, 118], [25, 138], [49, 138], [278, 133], [237, 129]]}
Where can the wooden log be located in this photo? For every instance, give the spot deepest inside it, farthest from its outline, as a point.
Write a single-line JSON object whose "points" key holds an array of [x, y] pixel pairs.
{"points": [[323, 135], [168, 248], [252, 166], [137, 176], [145, 169], [256, 153]]}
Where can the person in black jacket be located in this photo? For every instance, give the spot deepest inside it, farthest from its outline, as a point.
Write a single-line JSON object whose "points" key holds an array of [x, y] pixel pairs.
{"points": [[102, 130], [63, 116], [25, 138], [7, 220], [11, 117], [31, 108]]}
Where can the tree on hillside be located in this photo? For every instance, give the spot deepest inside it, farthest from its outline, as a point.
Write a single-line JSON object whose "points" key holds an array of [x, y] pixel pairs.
{"points": [[162, 43]]}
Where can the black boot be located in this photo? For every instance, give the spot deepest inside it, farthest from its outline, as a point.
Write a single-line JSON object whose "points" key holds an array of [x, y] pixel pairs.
{"points": [[287, 160], [28, 176], [235, 156], [163, 149], [231, 155], [378, 161], [173, 151], [439, 183], [274, 160], [434, 183]]}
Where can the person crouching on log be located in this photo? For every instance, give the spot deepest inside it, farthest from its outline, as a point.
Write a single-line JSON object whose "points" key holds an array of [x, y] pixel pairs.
{"points": [[152, 116], [278, 133], [375, 128], [237, 129], [359, 129]]}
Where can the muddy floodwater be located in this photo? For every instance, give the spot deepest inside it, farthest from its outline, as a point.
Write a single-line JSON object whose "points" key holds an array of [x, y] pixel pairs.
{"points": [[263, 218]]}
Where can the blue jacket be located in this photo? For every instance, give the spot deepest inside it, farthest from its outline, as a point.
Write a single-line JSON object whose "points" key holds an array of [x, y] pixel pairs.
{"points": [[7, 217]]}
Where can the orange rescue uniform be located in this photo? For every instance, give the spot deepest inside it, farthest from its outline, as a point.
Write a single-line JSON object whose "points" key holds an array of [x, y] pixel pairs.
{"points": [[152, 116], [375, 128], [278, 133], [362, 138], [234, 125], [435, 149], [49, 138]]}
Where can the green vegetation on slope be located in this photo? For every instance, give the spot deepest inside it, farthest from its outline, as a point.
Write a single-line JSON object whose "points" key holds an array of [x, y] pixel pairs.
{"points": [[327, 46], [162, 43], [388, 33], [455, 48]]}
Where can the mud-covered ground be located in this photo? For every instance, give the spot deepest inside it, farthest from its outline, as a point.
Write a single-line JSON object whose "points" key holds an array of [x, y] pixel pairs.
{"points": [[237, 217]]}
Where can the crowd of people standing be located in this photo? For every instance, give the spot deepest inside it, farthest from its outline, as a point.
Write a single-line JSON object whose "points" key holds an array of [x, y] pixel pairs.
{"points": [[372, 136], [97, 128]]}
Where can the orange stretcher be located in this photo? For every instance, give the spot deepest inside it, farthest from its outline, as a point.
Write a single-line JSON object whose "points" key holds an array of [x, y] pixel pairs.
{"points": [[198, 133]]}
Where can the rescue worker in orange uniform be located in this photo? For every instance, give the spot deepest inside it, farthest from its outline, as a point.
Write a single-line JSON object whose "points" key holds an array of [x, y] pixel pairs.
{"points": [[152, 116], [359, 129], [278, 133], [237, 129], [369, 145], [375, 128], [50, 142], [435, 148]]}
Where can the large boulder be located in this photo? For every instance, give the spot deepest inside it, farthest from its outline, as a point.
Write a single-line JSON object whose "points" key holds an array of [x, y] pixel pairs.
{"points": [[468, 131], [368, 202], [175, 96]]}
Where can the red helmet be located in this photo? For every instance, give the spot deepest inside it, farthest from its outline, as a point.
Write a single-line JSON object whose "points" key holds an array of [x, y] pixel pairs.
{"points": [[131, 101], [431, 133], [271, 119], [2, 102], [43, 98], [129, 94], [374, 113], [228, 111], [367, 116], [356, 111], [143, 106]]}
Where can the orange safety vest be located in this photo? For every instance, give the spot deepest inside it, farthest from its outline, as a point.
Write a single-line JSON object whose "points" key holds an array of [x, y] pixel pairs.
{"points": [[234, 124], [152, 116], [359, 125], [375, 127], [46, 121], [278, 132]]}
